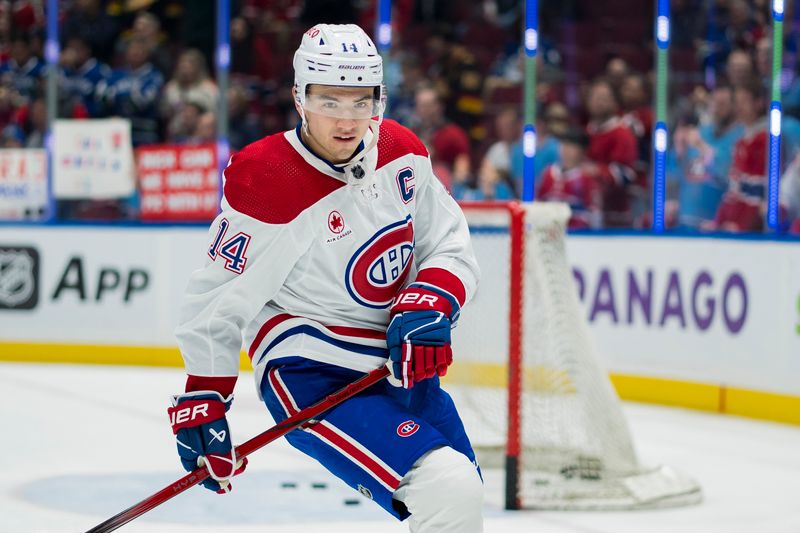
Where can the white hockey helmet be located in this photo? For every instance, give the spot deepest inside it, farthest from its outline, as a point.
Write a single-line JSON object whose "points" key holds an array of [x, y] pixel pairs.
{"points": [[339, 55]]}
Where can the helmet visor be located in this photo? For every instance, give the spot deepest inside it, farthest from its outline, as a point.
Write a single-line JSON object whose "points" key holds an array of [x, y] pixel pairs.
{"points": [[343, 105]]}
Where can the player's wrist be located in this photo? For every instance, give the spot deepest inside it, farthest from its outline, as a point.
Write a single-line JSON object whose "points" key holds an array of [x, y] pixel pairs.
{"points": [[223, 385]]}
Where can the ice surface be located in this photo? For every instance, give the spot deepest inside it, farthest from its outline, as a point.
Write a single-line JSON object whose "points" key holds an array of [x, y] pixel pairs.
{"points": [[80, 443]]}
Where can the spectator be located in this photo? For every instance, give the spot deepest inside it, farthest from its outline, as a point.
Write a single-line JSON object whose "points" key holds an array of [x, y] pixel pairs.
{"points": [[250, 54], [12, 136], [489, 187], [572, 181], [742, 27], [464, 81], [637, 115], [401, 102], [132, 92], [182, 128], [36, 124], [88, 20], [10, 101], [80, 75], [205, 132], [763, 61], [23, 71], [553, 124], [447, 143], [190, 83], [743, 205], [244, 126], [790, 197], [147, 27], [617, 69], [613, 147], [496, 165], [739, 68], [700, 158]]}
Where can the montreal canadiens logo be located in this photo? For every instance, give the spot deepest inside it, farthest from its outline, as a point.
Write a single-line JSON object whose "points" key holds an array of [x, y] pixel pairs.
{"points": [[335, 222], [378, 269], [407, 428]]}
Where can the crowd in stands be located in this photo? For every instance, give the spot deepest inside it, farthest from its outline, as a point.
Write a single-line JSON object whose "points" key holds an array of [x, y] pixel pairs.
{"points": [[455, 75]]}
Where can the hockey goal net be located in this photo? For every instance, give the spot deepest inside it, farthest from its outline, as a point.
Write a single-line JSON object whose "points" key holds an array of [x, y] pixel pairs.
{"points": [[532, 394]]}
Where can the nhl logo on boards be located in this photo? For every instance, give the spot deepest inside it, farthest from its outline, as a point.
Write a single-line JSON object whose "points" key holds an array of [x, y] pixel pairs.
{"points": [[407, 428], [19, 277], [335, 222]]}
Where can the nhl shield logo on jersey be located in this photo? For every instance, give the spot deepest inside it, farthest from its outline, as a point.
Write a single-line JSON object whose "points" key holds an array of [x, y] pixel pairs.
{"points": [[407, 428], [405, 182], [364, 491], [335, 222], [380, 266]]}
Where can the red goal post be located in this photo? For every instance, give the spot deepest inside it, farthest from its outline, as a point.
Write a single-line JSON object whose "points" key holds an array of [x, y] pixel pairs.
{"points": [[534, 398]]}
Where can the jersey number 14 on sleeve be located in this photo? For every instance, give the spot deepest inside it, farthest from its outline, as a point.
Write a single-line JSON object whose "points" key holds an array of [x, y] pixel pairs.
{"points": [[232, 250]]}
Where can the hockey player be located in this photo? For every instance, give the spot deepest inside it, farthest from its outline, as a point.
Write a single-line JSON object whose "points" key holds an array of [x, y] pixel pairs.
{"points": [[337, 251]]}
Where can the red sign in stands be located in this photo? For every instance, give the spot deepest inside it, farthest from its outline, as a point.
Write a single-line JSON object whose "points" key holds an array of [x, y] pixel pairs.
{"points": [[178, 182]]}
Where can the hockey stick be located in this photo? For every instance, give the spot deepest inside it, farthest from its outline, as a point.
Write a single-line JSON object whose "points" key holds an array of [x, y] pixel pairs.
{"points": [[243, 450]]}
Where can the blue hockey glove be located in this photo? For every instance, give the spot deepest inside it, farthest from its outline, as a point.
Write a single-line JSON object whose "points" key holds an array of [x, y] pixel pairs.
{"points": [[418, 336], [203, 437]]}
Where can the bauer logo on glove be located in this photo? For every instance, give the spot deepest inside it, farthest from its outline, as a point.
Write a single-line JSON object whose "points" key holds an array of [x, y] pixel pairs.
{"points": [[203, 437]]}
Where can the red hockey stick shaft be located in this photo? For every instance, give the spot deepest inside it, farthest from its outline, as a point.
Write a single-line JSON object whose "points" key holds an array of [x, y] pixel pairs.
{"points": [[243, 450]]}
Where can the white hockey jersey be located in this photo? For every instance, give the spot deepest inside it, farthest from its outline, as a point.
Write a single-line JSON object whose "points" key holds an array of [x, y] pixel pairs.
{"points": [[303, 262]]}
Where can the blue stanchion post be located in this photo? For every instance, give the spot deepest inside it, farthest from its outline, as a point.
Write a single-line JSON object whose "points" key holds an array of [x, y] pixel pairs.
{"points": [[222, 61], [52, 50], [775, 118], [383, 26], [660, 130], [531, 43]]}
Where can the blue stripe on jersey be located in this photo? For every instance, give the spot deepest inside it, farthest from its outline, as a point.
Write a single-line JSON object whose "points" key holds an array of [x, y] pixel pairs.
{"points": [[313, 332]]}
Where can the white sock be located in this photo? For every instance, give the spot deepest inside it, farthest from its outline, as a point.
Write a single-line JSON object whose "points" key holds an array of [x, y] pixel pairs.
{"points": [[443, 493]]}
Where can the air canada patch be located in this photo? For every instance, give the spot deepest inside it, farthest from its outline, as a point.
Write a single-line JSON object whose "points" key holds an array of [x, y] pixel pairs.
{"points": [[407, 428], [380, 266], [335, 222]]}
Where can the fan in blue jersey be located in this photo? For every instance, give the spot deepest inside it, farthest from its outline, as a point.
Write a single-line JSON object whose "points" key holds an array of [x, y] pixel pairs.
{"points": [[80, 75], [337, 251], [132, 92]]}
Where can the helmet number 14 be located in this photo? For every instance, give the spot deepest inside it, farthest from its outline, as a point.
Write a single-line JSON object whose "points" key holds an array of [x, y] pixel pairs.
{"points": [[352, 47]]}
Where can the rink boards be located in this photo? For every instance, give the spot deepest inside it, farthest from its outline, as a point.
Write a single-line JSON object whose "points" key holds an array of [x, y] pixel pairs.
{"points": [[706, 323]]}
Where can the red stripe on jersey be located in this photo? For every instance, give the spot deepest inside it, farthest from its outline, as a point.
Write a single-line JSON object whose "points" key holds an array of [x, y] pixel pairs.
{"points": [[263, 330], [356, 455], [445, 280], [358, 332], [396, 141], [271, 182]]}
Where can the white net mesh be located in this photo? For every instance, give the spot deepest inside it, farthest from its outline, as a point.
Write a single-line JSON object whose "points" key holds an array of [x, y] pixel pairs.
{"points": [[577, 452]]}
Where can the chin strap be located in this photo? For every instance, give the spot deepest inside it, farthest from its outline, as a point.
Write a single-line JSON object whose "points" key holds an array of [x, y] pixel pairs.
{"points": [[357, 170]]}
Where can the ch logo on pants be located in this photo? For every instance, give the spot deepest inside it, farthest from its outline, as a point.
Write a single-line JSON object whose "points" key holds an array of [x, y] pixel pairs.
{"points": [[407, 428]]}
